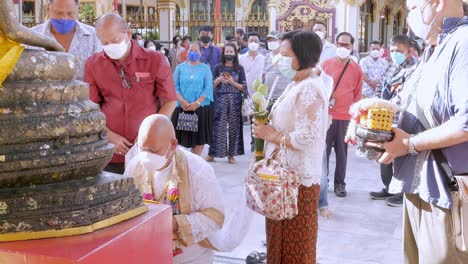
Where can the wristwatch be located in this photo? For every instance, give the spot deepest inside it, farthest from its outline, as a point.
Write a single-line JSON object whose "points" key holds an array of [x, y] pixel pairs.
{"points": [[411, 149]]}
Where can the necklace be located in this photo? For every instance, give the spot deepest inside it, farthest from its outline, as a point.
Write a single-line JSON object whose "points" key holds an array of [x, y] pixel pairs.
{"points": [[193, 69], [164, 192]]}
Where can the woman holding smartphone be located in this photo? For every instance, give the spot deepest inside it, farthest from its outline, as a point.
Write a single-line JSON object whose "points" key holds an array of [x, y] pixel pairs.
{"points": [[229, 86]]}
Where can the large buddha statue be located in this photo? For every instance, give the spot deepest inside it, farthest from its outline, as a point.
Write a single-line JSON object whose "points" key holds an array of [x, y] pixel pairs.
{"points": [[53, 144]]}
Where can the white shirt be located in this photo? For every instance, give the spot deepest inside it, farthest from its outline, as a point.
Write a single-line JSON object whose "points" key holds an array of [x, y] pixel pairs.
{"points": [[253, 68], [205, 192], [302, 113], [328, 51], [84, 44]]}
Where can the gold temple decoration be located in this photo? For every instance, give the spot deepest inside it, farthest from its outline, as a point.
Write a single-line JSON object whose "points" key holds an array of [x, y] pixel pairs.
{"points": [[291, 12]]}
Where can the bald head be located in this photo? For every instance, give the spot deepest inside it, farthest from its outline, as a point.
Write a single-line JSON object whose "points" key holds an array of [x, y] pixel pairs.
{"points": [[111, 20], [112, 29], [156, 134]]}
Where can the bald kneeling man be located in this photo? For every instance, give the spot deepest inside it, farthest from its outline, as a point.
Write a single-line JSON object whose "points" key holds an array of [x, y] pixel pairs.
{"points": [[168, 174]]}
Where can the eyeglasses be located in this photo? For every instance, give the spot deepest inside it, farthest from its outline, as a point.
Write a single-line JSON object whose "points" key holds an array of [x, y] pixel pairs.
{"points": [[344, 45], [125, 82]]}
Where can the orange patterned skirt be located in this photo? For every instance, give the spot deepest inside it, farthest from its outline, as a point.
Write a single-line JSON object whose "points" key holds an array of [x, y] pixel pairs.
{"points": [[293, 241]]}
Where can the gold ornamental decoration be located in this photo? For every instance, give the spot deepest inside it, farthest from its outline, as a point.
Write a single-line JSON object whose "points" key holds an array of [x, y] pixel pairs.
{"points": [[293, 11]]}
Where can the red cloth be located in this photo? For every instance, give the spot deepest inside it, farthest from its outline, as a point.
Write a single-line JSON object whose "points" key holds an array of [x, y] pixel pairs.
{"points": [[349, 89], [151, 79]]}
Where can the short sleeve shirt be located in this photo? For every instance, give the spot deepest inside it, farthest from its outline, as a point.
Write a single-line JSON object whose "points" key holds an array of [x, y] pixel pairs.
{"points": [[150, 78]]}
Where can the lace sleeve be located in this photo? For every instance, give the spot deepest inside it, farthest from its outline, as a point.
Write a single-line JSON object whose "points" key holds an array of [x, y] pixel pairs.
{"points": [[308, 120]]}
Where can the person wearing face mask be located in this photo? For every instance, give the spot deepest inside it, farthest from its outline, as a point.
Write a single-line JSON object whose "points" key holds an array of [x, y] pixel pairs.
{"points": [[229, 85], [430, 145], [129, 83], [402, 64], [161, 169], [397, 72], [298, 121], [253, 63], [194, 87], [329, 49], [76, 38], [347, 89], [373, 69], [211, 54], [185, 44], [174, 53], [271, 69], [139, 38]]}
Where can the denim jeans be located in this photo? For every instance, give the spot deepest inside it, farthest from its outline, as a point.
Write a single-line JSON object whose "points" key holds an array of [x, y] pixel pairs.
{"points": [[323, 200]]}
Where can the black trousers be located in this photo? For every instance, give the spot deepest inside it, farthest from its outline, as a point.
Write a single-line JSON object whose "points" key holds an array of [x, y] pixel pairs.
{"points": [[335, 138], [386, 173]]}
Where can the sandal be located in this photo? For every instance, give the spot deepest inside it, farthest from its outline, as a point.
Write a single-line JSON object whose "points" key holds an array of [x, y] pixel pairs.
{"points": [[231, 160], [255, 257]]}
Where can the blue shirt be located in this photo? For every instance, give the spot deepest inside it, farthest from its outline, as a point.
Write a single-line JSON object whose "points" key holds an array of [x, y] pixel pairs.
{"points": [[244, 51], [440, 95], [193, 81], [211, 56]]}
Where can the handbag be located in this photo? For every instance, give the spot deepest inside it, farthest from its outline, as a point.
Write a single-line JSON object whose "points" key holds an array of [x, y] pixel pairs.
{"points": [[459, 186], [187, 122], [272, 187]]}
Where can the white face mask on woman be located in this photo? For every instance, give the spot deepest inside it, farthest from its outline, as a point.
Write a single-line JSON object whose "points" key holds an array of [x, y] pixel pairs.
{"points": [[285, 67]]}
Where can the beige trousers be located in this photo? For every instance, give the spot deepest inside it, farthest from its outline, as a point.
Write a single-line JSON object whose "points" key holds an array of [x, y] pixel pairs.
{"points": [[427, 234]]}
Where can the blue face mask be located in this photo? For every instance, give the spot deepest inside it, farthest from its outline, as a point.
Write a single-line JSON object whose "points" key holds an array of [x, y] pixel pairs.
{"points": [[193, 56], [63, 26], [285, 67], [398, 58]]}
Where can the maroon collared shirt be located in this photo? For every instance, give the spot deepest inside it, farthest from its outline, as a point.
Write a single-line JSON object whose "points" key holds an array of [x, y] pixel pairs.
{"points": [[150, 79]]}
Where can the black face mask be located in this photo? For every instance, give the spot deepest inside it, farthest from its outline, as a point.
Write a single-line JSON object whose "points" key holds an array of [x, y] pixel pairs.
{"points": [[205, 39], [229, 57]]}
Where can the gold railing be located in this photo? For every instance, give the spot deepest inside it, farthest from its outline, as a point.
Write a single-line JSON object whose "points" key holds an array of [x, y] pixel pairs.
{"points": [[189, 24]]}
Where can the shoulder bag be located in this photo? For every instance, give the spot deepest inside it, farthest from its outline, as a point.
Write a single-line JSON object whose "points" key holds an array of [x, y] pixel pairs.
{"points": [[331, 100], [272, 187]]}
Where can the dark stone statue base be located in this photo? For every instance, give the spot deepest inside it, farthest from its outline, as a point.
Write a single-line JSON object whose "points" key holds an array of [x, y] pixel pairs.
{"points": [[53, 148], [66, 205]]}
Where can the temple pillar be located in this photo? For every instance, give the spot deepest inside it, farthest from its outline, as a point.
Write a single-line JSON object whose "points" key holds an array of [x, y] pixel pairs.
{"points": [[166, 12]]}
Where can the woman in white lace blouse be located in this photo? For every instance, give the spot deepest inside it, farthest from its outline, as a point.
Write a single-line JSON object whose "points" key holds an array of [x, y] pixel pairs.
{"points": [[299, 117]]}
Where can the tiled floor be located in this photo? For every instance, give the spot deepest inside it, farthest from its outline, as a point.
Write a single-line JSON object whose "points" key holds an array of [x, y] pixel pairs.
{"points": [[362, 231]]}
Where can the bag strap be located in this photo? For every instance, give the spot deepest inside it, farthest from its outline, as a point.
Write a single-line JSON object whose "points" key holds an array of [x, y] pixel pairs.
{"points": [[339, 79], [445, 169]]}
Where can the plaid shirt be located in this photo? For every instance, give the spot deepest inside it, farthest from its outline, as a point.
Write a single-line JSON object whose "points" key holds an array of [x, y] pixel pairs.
{"points": [[394, 74]]}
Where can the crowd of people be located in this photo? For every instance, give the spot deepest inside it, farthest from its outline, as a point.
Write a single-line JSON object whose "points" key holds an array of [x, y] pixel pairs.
{"points": [[157, 99]]}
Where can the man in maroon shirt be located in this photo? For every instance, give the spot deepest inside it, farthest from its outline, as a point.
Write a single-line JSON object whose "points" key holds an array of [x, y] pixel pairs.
{"points": [[129, 83]]}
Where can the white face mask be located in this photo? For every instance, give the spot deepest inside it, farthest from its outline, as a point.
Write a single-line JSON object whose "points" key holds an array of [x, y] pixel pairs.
{"points": [[141, 42], [116, 51], [416, 22], [152, 47], [375, 54], [152, 162], [285, 67], [343, 53], [253, 46], [320, 34], [273, 45]]}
